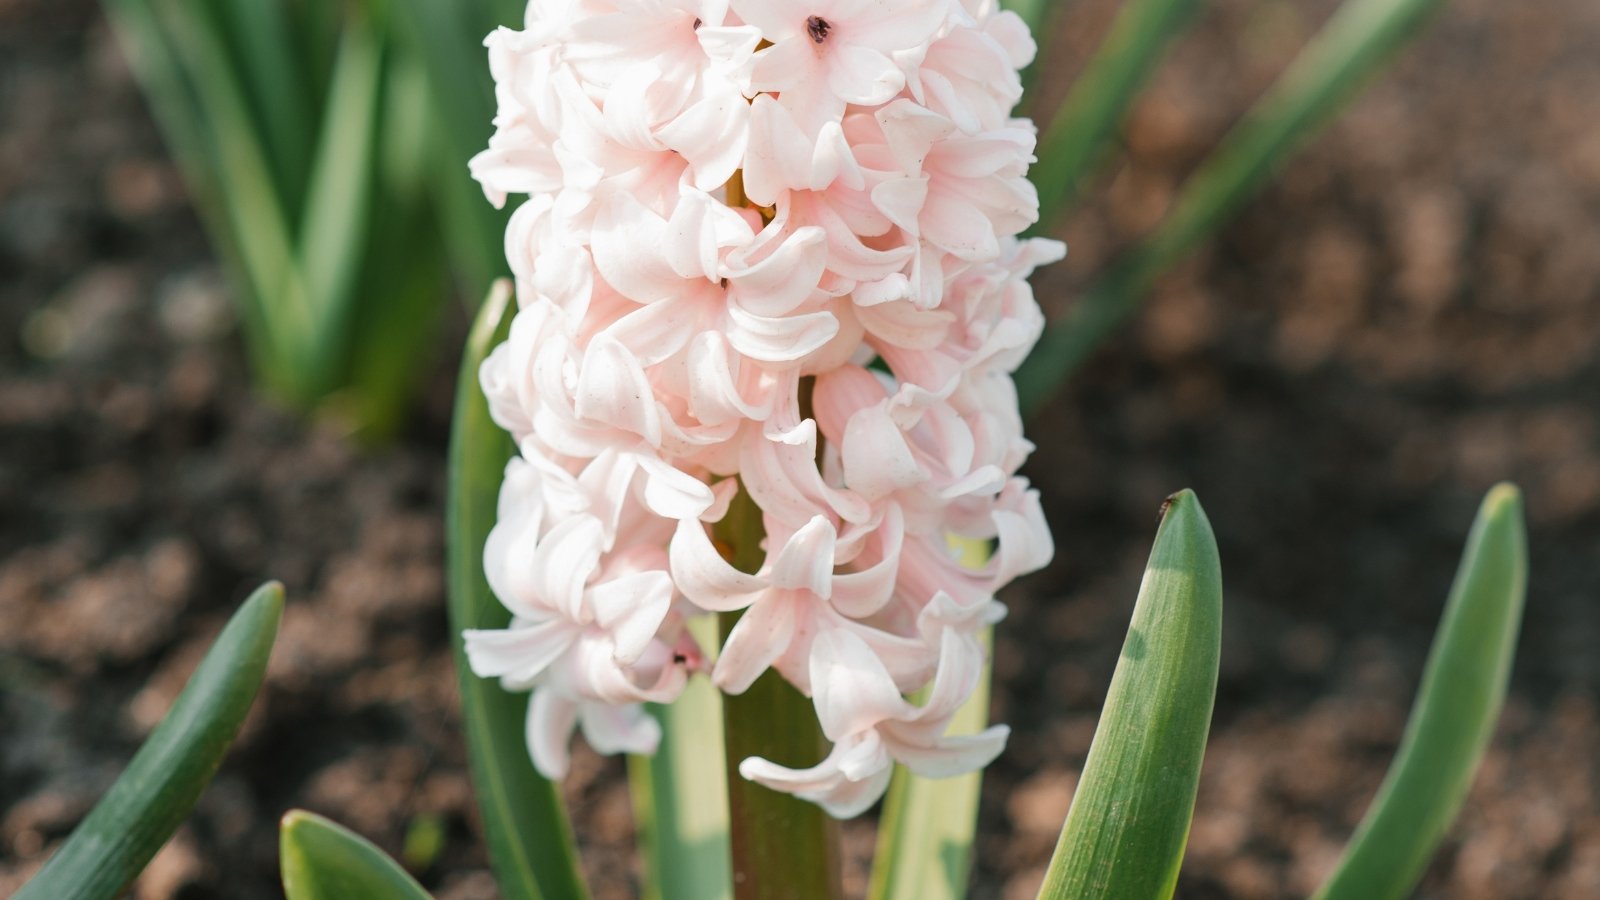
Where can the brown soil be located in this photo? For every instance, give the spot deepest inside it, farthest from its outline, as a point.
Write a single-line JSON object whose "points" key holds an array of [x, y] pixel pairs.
{"points": [[1409, 315]]}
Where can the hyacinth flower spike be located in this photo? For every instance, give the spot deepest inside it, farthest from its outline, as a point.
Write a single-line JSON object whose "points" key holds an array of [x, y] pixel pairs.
{"points": [[733, 210]]}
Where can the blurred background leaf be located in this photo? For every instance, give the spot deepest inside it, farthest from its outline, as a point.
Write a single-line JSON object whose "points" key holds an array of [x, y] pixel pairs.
{"points": [[1080, 128], [1035, 12], [309, 136], [447, 40], [1357, 41]]}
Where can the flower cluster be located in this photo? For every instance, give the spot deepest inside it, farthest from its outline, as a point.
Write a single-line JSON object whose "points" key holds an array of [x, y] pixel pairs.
{"points": [[769, 245]]}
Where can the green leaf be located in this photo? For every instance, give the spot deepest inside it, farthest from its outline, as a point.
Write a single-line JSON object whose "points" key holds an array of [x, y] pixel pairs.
{"points": [[680, 795], [261, 43], [397, 313], [926, 829], [1463, 687], [173, 766], [448, 38], [530, 839], [246, 214], [323, 860], [1100, 98], [1125, 833], [784, 848], [1356, 42], [333, 237]]}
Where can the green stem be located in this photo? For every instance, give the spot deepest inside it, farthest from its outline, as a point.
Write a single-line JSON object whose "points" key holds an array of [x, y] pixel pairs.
{"points": [[783, 848]]}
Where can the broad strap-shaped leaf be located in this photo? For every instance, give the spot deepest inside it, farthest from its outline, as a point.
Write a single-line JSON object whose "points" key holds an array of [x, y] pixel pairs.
{"points": [[530, 839], [1463, 687], [1100, 98], [1125, 833], [323, 860], [926, 829], [160, 786], [680, 795], [1356, 42]]}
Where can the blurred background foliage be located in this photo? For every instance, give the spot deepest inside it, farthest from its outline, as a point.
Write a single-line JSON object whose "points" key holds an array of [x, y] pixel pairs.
{"points": [[325, 145]]}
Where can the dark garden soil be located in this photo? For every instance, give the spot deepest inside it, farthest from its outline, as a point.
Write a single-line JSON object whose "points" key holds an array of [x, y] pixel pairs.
{"points": [[1409, 315]]}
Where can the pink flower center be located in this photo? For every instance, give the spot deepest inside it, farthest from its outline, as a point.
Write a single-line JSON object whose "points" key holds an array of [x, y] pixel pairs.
{"points": [[818, 28]]}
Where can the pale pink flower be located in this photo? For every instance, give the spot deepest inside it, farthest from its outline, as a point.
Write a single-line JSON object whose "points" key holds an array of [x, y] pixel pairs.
{"points": [[873, 726], [584, 636], [828, 54], [732, 205]]}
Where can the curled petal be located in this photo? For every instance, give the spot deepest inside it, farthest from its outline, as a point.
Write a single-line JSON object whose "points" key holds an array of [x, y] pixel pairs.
{"points": [[613, 389], [704, 576], [670, 492], [806, 560], [551, 717], [619, 729], [852, 689], [877, 459], [518, 654], [776, 284], [784, 339], [565, 561], [952, 756], [864, 592], [760, 636], [826, 783], [632, 609]]}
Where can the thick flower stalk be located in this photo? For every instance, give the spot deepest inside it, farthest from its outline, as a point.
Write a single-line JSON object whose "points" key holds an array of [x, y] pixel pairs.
{"points": [[769, 245]]}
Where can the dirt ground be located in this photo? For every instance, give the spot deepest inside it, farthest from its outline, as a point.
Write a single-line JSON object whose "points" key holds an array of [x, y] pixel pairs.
{"points": [[1409, 315]]}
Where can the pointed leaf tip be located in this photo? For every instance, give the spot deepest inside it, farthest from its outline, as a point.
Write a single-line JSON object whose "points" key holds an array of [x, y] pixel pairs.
{"points": [[173, 766], [270, 595], [1453, 718], [1129, 820], [1184, 497], [322, 860], [1503, 498]]}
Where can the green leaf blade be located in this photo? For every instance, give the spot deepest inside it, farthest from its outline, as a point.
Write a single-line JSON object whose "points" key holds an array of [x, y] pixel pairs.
{"points": [[155, 793], [323, 860], [530, 840], [1125, 833], [1453, 719]]}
